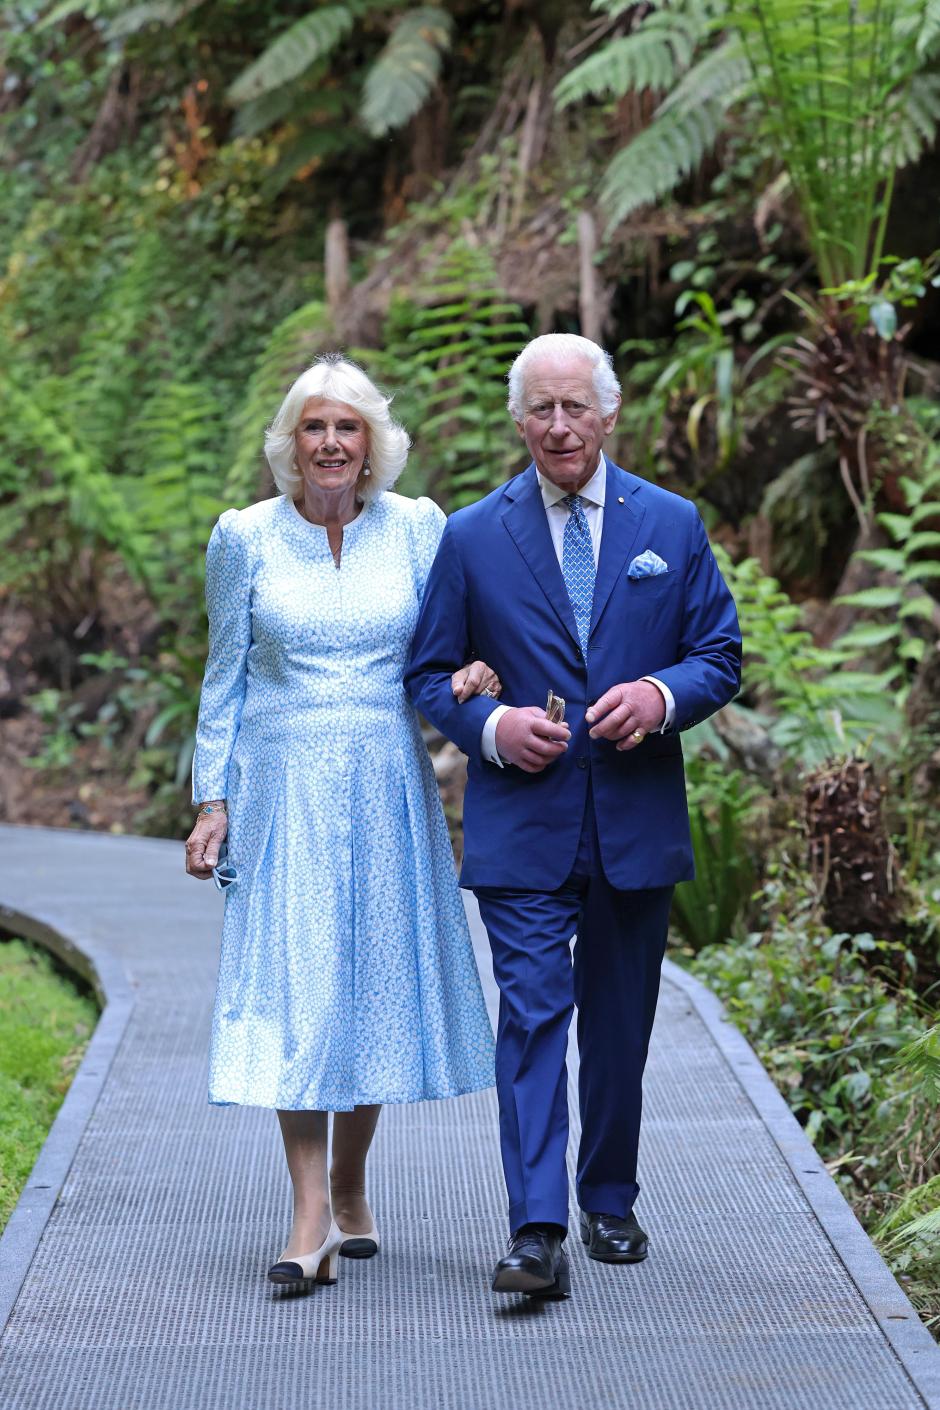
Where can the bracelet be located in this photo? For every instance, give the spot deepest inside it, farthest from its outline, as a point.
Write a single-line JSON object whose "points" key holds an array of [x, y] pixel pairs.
{"points": [[208, 808]]}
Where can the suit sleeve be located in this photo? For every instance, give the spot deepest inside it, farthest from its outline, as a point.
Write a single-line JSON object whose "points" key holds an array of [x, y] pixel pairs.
{"points": [[441, 645], [228, 604], [708, 674]]}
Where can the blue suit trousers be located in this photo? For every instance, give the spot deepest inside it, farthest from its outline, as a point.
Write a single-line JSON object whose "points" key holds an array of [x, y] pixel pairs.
{"points": [[613, 977]]}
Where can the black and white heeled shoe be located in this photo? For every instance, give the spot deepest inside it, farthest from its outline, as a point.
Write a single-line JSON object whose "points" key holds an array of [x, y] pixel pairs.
{"points": [[360, 1245], [321, 1266]]}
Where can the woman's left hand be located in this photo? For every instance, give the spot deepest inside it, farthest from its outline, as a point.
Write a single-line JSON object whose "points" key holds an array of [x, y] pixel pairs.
{"points": [[475, 679]]}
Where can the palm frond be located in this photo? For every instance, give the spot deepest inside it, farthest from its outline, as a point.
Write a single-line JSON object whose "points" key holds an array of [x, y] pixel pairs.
{"points": [[657, 159], [405, 72], [293, 52], [652, 57]]}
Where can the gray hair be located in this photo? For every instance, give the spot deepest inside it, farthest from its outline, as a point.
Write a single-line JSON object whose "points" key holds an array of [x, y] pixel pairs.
{"points": [[335, 377], [562, 347]]}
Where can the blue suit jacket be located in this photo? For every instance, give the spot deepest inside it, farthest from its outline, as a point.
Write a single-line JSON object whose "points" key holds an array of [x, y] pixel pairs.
{"points": [[496, 592]]}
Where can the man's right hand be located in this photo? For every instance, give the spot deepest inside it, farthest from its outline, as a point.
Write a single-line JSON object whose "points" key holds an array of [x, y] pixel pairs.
{"points": [[526, 738]]}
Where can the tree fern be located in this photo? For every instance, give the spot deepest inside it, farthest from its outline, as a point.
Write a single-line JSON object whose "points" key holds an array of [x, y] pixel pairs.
{"points": [[842, 104], [293, 52], [403, 75], [658, 159]]}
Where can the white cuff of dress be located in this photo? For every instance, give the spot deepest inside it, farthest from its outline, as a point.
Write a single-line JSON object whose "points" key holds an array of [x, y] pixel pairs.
{"points": [[488, 738], [669, 700]]}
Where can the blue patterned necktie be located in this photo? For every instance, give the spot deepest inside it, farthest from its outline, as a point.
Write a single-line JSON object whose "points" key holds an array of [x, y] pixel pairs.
{"points": [[577, 566]]}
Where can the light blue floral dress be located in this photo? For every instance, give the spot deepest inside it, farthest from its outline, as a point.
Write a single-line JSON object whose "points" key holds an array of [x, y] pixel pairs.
{"points": [[346, 974]]}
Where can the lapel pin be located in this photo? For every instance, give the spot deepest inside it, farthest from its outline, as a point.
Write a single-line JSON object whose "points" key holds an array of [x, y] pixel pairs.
{"points": [[620, 499]]}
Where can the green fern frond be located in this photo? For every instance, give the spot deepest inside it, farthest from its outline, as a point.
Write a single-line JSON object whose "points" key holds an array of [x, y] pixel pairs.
{"points": [[652, 57], [922, 1057], [157, 12], [657, 159], [919, 118], [293, 52], [403, 75], [929, 34], [720, 75]]}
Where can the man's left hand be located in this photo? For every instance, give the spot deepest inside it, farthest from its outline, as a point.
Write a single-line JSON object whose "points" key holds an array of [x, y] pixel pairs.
{"points": [[627, 713]]}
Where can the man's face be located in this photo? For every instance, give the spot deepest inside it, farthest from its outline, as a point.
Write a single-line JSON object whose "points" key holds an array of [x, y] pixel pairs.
{"points": [[561, 423]]}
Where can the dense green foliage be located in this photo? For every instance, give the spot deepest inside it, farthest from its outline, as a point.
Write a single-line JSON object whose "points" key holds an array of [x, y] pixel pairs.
{"points": [[45, 1024], [849, 1051], [172, 178]]}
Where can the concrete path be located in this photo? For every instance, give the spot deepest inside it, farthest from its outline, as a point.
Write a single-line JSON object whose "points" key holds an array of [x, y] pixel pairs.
{"points": [[131, 1274]]}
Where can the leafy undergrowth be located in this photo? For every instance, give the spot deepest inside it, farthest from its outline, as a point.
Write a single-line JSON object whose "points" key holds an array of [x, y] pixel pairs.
{"points": [[45, 1025], [836, 1032]]}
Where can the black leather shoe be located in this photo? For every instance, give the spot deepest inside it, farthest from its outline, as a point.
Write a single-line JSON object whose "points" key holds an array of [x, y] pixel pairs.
{"points": [[611, 1239], [534, 1264]]}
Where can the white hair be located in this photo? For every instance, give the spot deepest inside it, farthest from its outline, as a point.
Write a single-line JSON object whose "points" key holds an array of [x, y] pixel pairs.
{"points": [[336, 378], [563, 347]]}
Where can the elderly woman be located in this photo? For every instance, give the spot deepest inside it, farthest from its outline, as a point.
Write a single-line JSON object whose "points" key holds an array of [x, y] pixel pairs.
{"points": [[347, 977]]}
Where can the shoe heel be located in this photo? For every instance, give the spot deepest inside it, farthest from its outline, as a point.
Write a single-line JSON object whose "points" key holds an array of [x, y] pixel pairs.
{"points": [[328, 1270]]}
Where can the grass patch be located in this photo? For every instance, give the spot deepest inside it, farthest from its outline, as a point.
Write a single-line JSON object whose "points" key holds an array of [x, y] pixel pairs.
{"points": [[45, 1025]]}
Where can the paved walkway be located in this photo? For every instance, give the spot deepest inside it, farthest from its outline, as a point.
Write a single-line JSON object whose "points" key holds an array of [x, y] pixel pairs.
{"points": [[133, 1268]]}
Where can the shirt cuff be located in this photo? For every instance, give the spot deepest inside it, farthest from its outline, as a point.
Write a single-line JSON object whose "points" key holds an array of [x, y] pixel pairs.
{"points": [[488, 737], [668, 698]]}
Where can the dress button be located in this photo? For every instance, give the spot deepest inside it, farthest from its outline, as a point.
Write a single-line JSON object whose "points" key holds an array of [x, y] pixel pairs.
{"points": [[582, 763]]}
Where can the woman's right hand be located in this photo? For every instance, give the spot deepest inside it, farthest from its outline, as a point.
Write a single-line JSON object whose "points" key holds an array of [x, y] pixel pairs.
{"points": [[203, 843]]}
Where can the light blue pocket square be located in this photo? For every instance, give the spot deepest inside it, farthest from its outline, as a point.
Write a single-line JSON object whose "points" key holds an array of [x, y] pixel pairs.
{"points": [[647, 565]]}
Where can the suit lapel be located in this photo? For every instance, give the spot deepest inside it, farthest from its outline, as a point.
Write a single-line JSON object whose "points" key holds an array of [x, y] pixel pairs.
{"points": [[527, 523], [622, 520]]}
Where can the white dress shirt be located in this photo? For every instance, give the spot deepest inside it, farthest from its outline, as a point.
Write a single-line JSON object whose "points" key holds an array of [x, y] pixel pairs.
{"points": [[593, 496]]}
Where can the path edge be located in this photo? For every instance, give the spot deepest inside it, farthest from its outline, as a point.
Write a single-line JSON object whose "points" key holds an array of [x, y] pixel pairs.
{"points": [[27, 1223], [895, 1314]]}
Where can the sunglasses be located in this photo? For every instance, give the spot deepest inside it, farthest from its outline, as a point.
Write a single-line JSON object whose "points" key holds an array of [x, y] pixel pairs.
{"points": [[224, 872]]}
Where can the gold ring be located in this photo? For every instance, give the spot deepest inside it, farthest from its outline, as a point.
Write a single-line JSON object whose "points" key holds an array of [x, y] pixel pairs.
{"points": [[638, 734]]}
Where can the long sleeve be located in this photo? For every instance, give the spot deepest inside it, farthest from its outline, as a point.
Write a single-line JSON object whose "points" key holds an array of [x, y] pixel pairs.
{"points": [[228, 603], [426, 529], [709, 671], [441, 646]]}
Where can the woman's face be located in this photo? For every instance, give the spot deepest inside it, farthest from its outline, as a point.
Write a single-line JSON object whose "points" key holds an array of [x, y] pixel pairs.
{"points": [[332, 442]]}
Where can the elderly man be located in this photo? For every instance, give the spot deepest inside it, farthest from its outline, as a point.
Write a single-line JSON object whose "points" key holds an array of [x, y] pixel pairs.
{"points": [[579, 578]]}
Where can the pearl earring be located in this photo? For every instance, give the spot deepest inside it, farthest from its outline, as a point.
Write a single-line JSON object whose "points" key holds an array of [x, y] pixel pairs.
{"points": [[366, 469]]}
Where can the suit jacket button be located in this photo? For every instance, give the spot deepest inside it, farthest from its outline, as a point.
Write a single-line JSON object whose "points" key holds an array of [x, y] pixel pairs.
{"points": [[582, 763]]}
